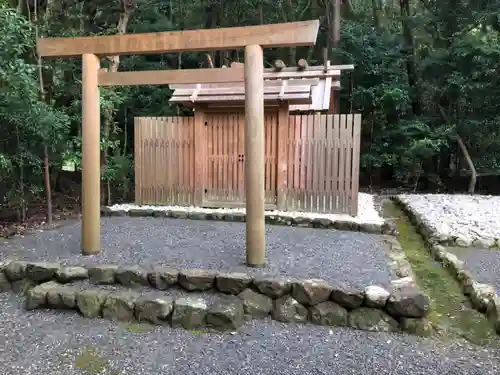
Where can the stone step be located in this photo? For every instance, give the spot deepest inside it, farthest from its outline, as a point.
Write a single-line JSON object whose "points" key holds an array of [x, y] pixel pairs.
{"points": [[118, 292]]}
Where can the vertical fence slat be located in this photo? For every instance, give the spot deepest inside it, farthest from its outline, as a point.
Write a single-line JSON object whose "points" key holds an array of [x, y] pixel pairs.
{"points": [[341, 161], [348, 162], [355, 164], [138, 151]]}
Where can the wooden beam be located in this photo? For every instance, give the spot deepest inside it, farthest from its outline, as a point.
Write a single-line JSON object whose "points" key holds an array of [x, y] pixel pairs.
{"points": [[165, 77], [314, 68], [290, 34], [302, 64], [279, 65], [299, 74], [231, 85]]}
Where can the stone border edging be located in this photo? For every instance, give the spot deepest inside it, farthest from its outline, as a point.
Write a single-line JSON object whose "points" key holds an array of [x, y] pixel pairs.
{"points": [[275, 219], [285, 300], [483, 297]]}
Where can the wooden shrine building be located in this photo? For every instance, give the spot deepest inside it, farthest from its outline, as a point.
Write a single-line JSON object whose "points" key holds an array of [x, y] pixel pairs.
{"points": [[311, 152]]}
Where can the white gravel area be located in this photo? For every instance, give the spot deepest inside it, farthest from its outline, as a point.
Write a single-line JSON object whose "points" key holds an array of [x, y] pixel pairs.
{"points": [[367, 213], [464, 220]]}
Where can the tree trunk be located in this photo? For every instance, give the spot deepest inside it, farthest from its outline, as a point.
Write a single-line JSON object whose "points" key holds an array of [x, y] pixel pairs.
{"points": [[128, 7], [377, 23], [470, 163], [46, 160], [409, 51]]}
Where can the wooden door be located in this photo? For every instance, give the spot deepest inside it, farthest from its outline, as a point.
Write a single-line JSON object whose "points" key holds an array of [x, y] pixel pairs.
{"points": [[225, 180]]}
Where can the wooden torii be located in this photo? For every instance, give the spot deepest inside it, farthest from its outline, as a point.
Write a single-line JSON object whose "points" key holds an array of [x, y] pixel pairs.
{"points": [[252, 38]]}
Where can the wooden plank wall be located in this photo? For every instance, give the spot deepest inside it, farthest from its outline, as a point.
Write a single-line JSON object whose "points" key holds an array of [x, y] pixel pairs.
{"points": [[164, 160], [225, 179], [323, 163], [317, 157]]}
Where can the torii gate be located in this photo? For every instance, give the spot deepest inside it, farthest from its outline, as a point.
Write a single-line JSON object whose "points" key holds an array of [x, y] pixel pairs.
{"points": [[251, 38]]}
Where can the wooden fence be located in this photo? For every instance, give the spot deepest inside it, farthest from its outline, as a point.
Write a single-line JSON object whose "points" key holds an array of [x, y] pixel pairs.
{"points": [[311, 164]]}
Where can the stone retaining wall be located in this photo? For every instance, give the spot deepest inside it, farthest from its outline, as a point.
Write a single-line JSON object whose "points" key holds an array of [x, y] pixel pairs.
{"points": [[276, 219], [483, 297], [288, 300]]}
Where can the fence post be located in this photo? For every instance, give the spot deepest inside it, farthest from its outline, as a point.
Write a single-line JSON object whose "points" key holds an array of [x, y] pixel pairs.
{"points": [[282, 160], [200, 156]]}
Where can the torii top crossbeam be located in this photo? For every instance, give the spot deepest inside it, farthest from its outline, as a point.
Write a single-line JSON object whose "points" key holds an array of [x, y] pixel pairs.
{"points": [[267, 36]]}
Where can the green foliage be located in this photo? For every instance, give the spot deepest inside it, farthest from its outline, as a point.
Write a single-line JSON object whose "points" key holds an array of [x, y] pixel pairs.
{"points": [[27, 123], [423, 76]]}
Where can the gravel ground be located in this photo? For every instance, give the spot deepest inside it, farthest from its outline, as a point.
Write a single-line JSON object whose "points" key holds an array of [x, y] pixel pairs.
{"points": [[53, 343], [468, 217], [357, 259], [483, 263], [367, 212]]}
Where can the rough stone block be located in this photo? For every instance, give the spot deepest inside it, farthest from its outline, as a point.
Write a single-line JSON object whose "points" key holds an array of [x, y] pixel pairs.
{"points": [[420, 327], [131, 276], [374, 320], [90, 302], [237, 217], [106, 211], [493, 313], [62, 297], [41, 271], [301, 221], [232, 283], [218, 216], [69, 274], [227, 313], [120, 306], [4, 283], [153, 310], [322, 223], [197, 215], [344, 225], [140, 212], [403, 282], [189, 312], [256, 304], [328, 314], [287, 309], [273, 287], [196, 279], [118, 213], [178, 214], [451, 262], [370, 228], [403, 268], [408, 302], [163, 277], [160, 213], [103, 274], [15, 270], [22, 286], [481, 295], [37, 297], [311, 292], [376, 296], [348, 297]]}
